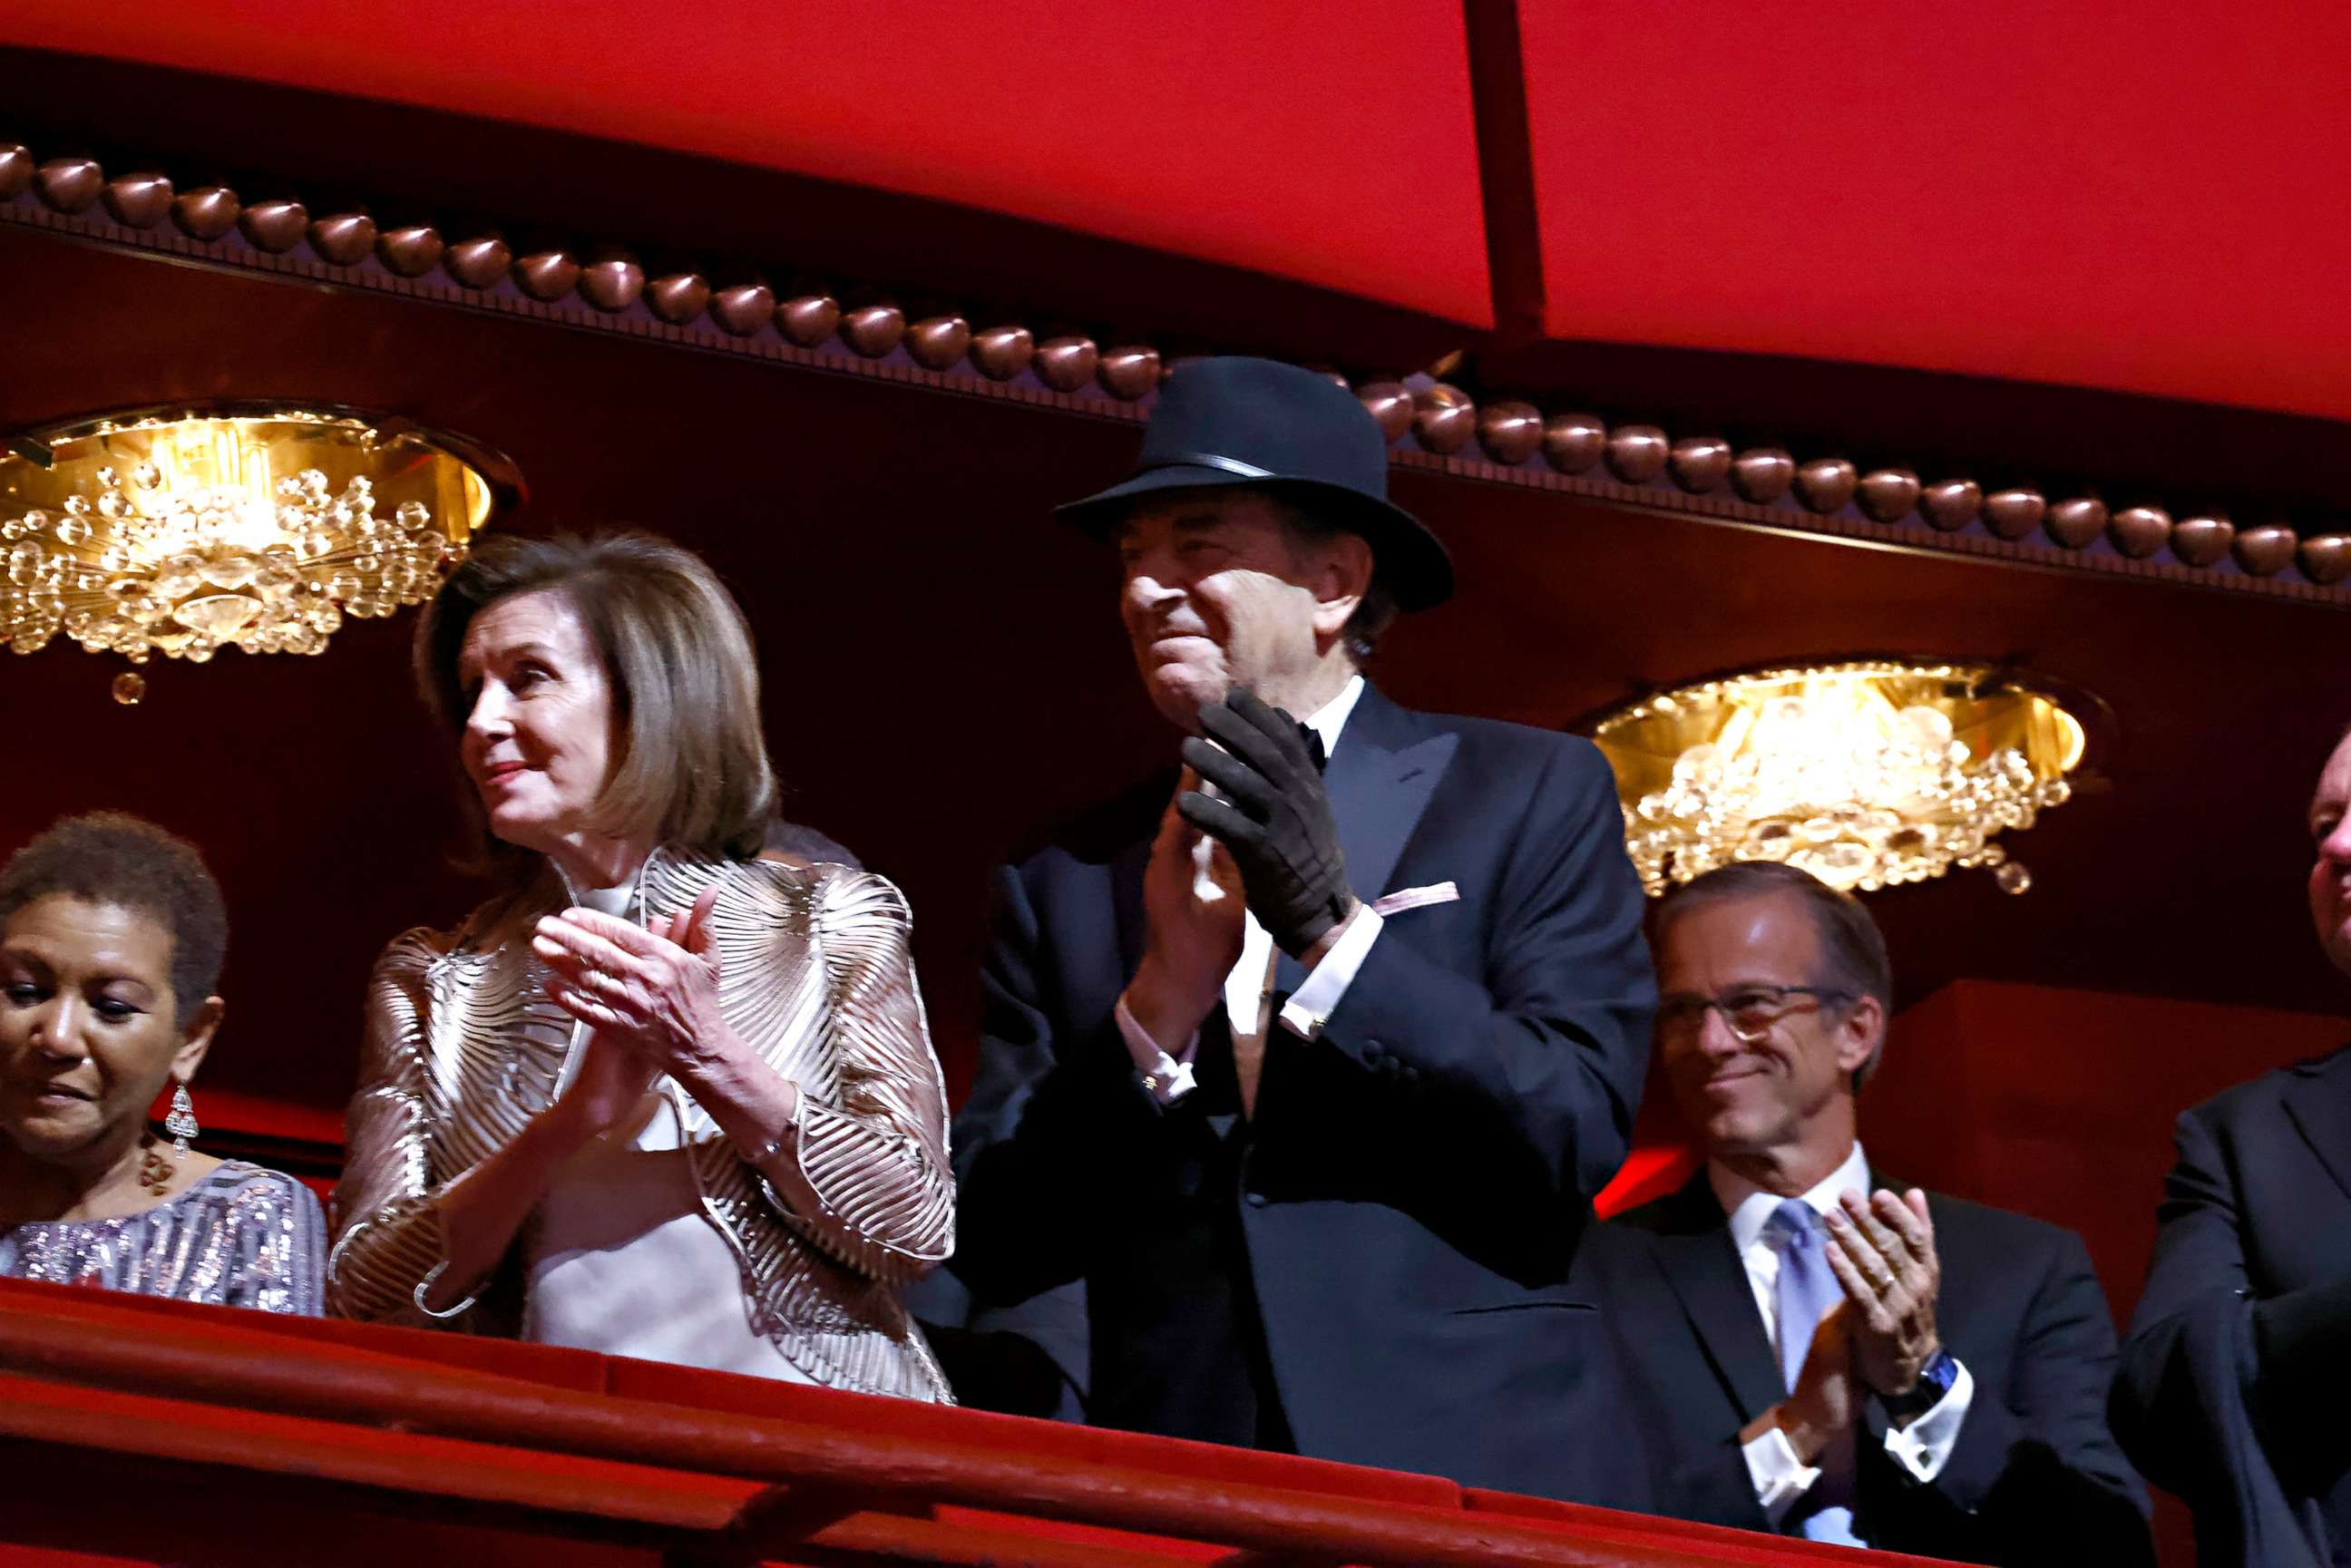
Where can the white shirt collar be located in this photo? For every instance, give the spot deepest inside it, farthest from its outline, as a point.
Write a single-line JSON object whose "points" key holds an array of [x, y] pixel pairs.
{"points": [[1328, 720], [614, 900], [1749, 1206]]}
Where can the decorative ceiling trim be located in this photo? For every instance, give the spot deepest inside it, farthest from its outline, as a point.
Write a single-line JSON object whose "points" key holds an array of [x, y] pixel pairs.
{"points": [[1431, 424], [1765, 488], [601, 288]]}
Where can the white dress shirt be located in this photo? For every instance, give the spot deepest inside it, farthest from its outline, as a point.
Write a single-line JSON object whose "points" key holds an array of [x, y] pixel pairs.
{"points": [[1169, 1076], [1922, 1449]]}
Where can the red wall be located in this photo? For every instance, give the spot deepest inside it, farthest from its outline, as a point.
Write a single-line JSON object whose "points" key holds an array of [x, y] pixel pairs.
{"points": [[2060, 1103]]}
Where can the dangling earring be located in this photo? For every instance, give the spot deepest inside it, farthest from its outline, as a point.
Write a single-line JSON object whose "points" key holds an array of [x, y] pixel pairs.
{"points": [[181, 1122], [156, 1168]]}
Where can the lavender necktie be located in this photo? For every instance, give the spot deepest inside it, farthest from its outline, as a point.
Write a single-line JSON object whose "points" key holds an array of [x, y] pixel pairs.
{"points": [[1805, 1294], [1807, 1290]]}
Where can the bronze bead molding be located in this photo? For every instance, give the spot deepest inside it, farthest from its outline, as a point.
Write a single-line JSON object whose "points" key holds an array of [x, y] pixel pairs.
{"points": [[1769, 487], [1430, 424], [600, 287]]}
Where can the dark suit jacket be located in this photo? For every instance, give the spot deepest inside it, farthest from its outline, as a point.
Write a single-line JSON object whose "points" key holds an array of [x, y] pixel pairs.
{"points": [[2235, 1389], [1397, 1221], [2035, 1478]]}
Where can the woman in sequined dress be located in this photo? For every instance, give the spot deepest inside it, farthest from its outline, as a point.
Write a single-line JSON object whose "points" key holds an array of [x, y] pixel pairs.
{"points": [[660, 1097], [111, 936]]}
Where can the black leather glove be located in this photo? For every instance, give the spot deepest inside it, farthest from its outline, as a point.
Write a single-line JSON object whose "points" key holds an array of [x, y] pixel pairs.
{"points": [[1277, 825]]}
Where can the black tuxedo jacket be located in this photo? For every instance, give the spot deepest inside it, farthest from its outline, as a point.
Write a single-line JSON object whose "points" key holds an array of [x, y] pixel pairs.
{"points": [[2035, 1477], [1382, 1252], [2235, 1389]]}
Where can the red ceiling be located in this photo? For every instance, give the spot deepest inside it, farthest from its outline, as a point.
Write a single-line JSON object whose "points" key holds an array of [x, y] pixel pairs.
{"points": [[2145, 199], [1249, 132], [2071, 195]]}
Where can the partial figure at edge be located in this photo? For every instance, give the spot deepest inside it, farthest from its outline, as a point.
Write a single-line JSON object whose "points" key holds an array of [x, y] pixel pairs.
{"points": [[112, 935], [2236, 1373]]}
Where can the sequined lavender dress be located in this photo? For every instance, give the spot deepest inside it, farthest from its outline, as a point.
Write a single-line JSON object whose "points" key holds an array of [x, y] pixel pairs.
{"points": [[241, 1236]]}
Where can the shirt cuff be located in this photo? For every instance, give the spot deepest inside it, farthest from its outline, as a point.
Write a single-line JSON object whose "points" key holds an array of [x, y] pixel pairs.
{"points": [[1167, 1079], [1923, 1448], [1310, 1006], [1780, 1477]]}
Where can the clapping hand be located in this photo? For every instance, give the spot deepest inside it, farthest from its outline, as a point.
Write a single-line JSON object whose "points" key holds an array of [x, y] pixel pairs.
{"points": [[1882, 1249], [1276, 822], [653, 993], [1823, 1403], [1191, 941], [611, 1082]]}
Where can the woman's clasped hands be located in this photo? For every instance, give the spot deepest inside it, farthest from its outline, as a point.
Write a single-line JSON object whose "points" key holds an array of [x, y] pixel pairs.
{"points": [[649, 996]]}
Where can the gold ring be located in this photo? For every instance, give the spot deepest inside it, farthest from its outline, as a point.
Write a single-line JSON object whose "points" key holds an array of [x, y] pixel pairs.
{"points": [[1883, 1284]]}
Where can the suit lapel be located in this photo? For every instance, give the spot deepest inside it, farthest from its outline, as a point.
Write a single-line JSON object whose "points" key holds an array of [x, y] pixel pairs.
{"points": [[2319, 1101], [1694, 1250], [1381, 777]]}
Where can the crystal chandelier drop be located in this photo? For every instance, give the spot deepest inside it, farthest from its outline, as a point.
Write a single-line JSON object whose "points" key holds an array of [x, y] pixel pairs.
{"points": [[1865, 774], [259, 527]]}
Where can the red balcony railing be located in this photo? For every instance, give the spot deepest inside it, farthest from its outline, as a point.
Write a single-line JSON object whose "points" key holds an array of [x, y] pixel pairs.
{"points": [[144, 1432]]}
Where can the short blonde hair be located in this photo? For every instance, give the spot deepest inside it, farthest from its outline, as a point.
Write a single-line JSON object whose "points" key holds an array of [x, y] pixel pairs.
{"points": [[691, 762]]}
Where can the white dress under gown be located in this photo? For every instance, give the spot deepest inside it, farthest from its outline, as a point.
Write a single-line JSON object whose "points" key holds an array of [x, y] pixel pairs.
{"points": [[623, 1259]]}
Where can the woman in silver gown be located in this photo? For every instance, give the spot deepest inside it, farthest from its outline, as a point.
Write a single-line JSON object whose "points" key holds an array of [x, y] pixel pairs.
{"points": [[659, 1097], [111, 936]]}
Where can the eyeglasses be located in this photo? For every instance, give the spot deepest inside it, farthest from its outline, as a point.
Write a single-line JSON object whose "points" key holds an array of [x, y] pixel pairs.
{"points": [[1748, 1010]]}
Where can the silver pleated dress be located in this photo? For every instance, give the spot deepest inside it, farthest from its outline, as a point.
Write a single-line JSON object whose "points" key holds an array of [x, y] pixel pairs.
{"points": [[464, 1048], [240, 1236]]}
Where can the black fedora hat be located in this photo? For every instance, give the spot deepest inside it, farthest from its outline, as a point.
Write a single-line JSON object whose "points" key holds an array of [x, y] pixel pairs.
{"points": [[1279, 428]]}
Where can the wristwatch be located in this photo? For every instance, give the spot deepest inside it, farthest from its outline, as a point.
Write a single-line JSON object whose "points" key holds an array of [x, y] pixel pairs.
{"points": [[1935, 1380]]}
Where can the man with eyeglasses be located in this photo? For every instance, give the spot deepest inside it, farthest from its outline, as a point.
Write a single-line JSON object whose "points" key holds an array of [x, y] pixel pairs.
{"points": [[1811, 1348]]}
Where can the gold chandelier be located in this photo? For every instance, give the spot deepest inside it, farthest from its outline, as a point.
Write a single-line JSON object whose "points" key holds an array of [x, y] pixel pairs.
{"points": [[256, 525], [1865, 774]]}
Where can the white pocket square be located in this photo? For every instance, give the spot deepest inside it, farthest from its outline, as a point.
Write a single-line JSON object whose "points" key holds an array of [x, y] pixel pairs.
{"points": [[1405, 898]]}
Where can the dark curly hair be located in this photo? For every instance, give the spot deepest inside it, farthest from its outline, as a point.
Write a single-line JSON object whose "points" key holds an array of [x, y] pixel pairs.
{"points": [[112, 858]]}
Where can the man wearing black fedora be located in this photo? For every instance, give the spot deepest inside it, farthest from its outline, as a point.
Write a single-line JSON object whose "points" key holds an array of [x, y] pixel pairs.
{"points": [[1308, 1069]]}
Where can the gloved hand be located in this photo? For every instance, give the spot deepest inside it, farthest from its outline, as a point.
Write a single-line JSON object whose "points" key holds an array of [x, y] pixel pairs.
{"points": [[1276, 825]]}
